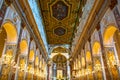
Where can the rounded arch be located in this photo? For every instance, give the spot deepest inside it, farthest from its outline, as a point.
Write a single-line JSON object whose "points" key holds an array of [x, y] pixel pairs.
{"points": [[11, 32], [96, 48], [59, 58], [37, 60], [8, 34], [23, 47], [31, 55], [112, 56], [32, 51], [54, 54], [79, 61], [108, 34], [83, 61], [40, 63], [59, 49], [88, 56]]}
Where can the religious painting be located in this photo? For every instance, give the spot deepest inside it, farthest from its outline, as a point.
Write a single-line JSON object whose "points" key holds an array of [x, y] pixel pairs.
{"points": [[60, 10], [59, 31]]}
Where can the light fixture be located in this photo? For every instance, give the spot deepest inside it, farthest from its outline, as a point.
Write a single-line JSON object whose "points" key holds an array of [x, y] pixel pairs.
{"points": [[88, 71], [97, 67]]}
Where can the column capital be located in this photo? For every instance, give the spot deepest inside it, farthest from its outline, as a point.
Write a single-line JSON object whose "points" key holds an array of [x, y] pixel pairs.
{"points": [[8, 2], [113, 3], [98, 27], [23, 24]]}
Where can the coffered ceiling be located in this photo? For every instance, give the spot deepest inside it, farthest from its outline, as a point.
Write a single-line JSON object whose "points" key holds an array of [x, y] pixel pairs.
{"points": [[60, 18]]}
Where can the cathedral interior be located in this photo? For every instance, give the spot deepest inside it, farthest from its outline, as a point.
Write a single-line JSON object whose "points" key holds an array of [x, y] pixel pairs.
{"points": [[59, 39]]}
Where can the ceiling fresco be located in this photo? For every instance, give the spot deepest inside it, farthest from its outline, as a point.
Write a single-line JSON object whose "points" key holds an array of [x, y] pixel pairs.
{"points": [[59, 10], [59, 18], [59, 50]]}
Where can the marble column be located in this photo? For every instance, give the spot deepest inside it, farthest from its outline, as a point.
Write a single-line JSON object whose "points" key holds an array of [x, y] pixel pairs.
{"points": [[68, 70], [48, 72], [91, 58], [106, 73], [18, 50]]}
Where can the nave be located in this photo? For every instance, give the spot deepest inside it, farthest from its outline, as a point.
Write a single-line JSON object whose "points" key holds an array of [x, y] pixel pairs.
{"points": [[59, 39]]}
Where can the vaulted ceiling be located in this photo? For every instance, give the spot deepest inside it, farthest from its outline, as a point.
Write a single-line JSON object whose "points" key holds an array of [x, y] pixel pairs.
{"points": [[60, 18]]}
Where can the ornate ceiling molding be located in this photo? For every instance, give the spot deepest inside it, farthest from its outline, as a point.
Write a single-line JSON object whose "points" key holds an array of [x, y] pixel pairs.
{"points": [[59, 18]]}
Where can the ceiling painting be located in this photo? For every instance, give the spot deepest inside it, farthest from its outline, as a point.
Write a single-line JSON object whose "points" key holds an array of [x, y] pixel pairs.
{"points": [[59, 18]]}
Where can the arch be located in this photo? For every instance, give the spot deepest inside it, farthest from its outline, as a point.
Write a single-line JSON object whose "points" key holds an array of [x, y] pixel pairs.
{"points": [[96, 48], [79, 61], [83, 62], [59, 58], [111, 61], [61, 46], [11, 32], [108, 34], [40, 63], [31, 55], [112, 56], [54, 54], [37, 60], [88, 56], [59, 49], [23, 47], [79, 64]]}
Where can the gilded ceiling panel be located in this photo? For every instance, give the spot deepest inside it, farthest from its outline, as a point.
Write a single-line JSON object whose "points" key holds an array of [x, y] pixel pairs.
{"points": [[59, 18]]}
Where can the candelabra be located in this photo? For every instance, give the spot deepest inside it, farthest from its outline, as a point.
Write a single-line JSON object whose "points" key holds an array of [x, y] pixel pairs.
{"points": [[88, 71], [97, 67], [7, 60]]}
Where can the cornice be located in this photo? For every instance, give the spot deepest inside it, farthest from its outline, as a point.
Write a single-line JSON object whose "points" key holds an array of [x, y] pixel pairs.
{"points": [[90, 23], [26, 12]]}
